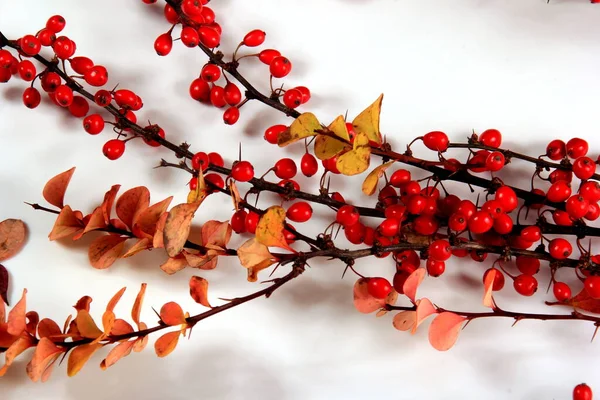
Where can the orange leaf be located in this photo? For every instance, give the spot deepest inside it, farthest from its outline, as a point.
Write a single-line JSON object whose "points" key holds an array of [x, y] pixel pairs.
{"points": [[405, 320], [86, 325], [139, 246], [132, 203], [16, 317], [158, 240], [137, 305], [108, 322], [412, 283], [45, 353], [254, 256], [96, 221], [424, 310], [33, 319], [54, 190], [582, 301], [444, 330], [105, 250], [174, 264], [121, 350], [83, 303], [66, 224], [365, 303], [145, 224], [216, 233], [200, 261], [166, 343], [19, 346], [115, 300], [269, 230], [488, 285], [50, 366], [12, 237], [79, 356], [109, 199], [172, 314], [177, 227], [48, 328], [199, 290], [121, 327], [140, 343], [372, 180], [235, 195]]}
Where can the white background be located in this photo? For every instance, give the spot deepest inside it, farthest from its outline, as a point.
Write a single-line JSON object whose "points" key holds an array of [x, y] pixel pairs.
{"points": [[525, 67]]}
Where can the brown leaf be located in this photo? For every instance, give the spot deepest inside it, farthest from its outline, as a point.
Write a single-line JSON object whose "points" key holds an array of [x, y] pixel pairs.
{"points": [[109, 199], [86, 325], [140, 343], [199, 290], [45, 353], [121, 350], [4, 280], [235, 195], [158, 240], [105, 250], [66, 224], [172, 314], [48, 328], [16, 317], [166, 343], [137, 305], [139, 246], [79, 356], [83, 303], [55, 188], [177, 227], [12, 237], [145, 224], [95, 222], [19, 346], [365, 303], [205, 262], [216, 233], [269, 230], [254, 256], [32, 318], [132, 203], [174, 264], [444, 330]]}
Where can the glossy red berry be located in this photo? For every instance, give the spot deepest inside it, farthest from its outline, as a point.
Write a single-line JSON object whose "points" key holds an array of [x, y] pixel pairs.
{"points": [[592, 286], [96, 76], [331, 165], [498, 280], [280, 67], [251, 222], [378, 287], [285, 168], [577, 206], [309, 165], [559, 192], [396, 211], [216, 159], [457, 222], [93, 124], [507, 198], [560, 175], [56, 23], [189, 37], [81, 65], [63, 95], [503, 224], [192, 8], [299, 212], [209, 17], [491, 138], [231, 115], [292, 98], [582, 392], [389, 227], [238, 221], [425, 225], [435, 268], [494, 207], [272, 133], [347, 215], [210, 73], [480, 222], [495, 161], [593, 212], [103, 98], [163, 44], [232, 94], [27, 70], [64, 47], [30, 45], [200, 90], [159, 131], [562, 291], [584, 168], [355, 233], [305, 93], [79, 107], [590, 190], [556, 150], [268, 55], [113, 149], [440, 250], [217, 96], [436, 140], [562, 218], [254, 38], [560, 248], [46, 36], [242, 171], [525, 285], [400, 278], [125, 98], [209, 37], [576, 148], [200, 160], [216, 180], [467, 208], [531, 233], [31, 97]]}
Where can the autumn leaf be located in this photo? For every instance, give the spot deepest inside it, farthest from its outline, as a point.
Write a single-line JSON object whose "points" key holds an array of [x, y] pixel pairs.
{"points": [[174, 264], [83, 303], [115, 299], [145, 224], [96, 221], [582, 301], [48, 328], [367, 122], [172, 314], [201, 192], [105, 250], [357, 160], [202, 261], [55, 188], [79, 356], [177, 227], [66, 224], [32, 318], [488, 285], [327, 146], [254, 256], [304, 126], [139, 246], [235, 195], [16, 317], [121, 327], [121, 350], [199, 290], [131, 204], [86, 325], [45, 353], [412, 283], [158, 239], [4, 280], [404, 320], [23, 343], [365, 303], [142, 342], [216, 233], [109, 199], [370, 183], [12, 237], [166, 343], [424, 309], [269, 230], [444, 330], [137, 305]]}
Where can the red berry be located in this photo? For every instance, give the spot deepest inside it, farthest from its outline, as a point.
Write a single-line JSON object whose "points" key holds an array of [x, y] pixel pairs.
{"points": [[232, 94], [268, 55], [577, 206], [576, 148], [46, 36], [292, 98], [495, 161], [437, 141], [590, 190], [231, 115], [560, 175], [238, 221], [440, 250], [288, 183], [355, 233], [27, 70], [79, 107], [457, 222], [415, 204], [96, 76], [593, 212], [280, 67], [217, 96], [480, 222], [192, 8], [216, 180], [200, 160], [562, 218], [189, 37], [309, 165], [56, 23], [478, 162], [525, 285], [31, 97], [592, 286], [507, 197], [93, 124], [170, 14], [285, 168], [467, 208], [531, 233], [64, 95], [395, 211], [331, 165], [389, 227], [425, 225], [209, 37], [103, 98], [379, 288], [64, 47], [160, 132], [216, 159], [163, 44], [493, 207], [584, 168], [305, 94], [254, 38], [210, 73], [242, 171], [81, 65], [125, 98], [491, 138], [200, 90], [299, 212], [582, 391], [407, 260], [498, 280], [347, 215], [399, 280], [400, 177], [560, 248], [435, 268], [562, 291], [272, 133], [30, 45], [556, 150], [113, 149], [503, 224], [559, 192], [251, 222], [209, 16]]}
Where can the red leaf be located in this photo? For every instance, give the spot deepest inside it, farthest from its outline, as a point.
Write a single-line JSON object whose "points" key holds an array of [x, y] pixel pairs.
{"points": [[54, 190], [404, 320], [67, 224], [16, 317], [365, 303], [109, 199], [166, 343], [132, 203], [444, 330], [488, 286], [4, 280], [172, 314], [199, 290], [412, 283], [424, 310], [32, 318], [105, 250], [12, 237]]}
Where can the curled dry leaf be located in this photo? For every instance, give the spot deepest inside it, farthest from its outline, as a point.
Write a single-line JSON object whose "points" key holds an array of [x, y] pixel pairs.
{"points": [[16, 317], [424, 309], [95, 221], [4, 281], [32, 318], [367, 122], [139, 246], [79, 356], [199, 290], [115, 300], [67, 223], [235, 195], [332, 144], [365, 303], [199, 194], [166, 343], [174, 264], [444, 330], [145, 224], [158, 240], [413, 282], [105, 250], [177, 227], [121, 350], [254, 256], [357, 160], [12, 237], [216, 233], [269, 230], [45, 353], [304, 126], [370, 183], [195, 260], [405, 320], [488, 285], [131, 203], [55, 188], [172, 314], [109, 199]]}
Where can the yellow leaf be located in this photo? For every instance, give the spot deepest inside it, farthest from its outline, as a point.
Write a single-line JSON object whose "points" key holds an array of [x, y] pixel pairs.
{"points": [[372, 180], [177, 227], [304, 126], [356, 160], [166, 343], [199, 290], [200, 193], [327, 146], [269, 230], [367, 122], [338, 127], [254, 256], [79, 356]]}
